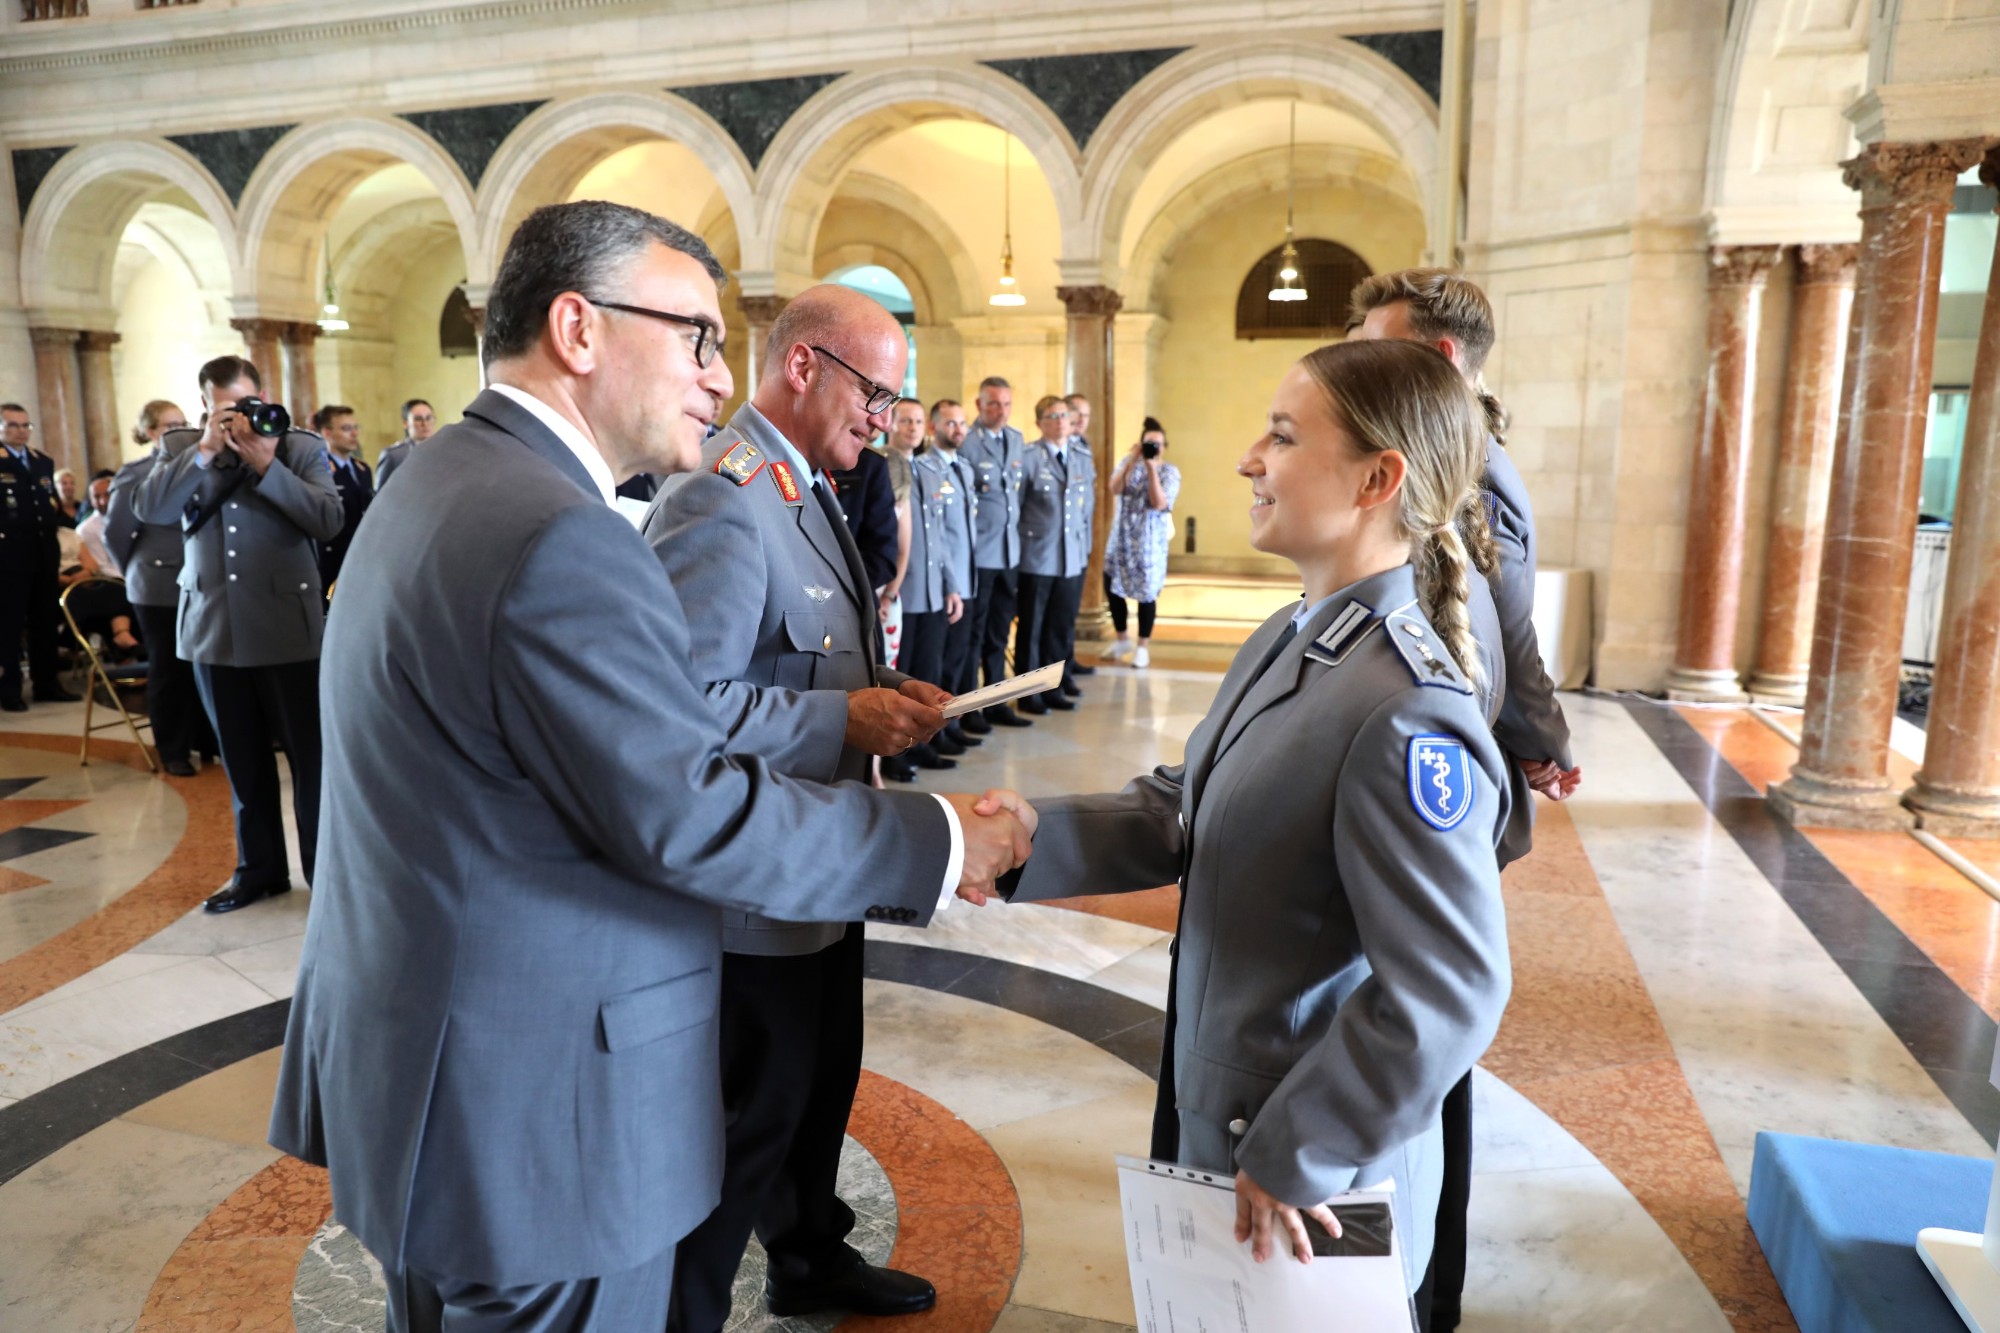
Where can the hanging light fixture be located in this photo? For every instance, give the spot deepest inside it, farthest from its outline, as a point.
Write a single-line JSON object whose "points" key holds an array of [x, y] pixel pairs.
{"points": [[1288, 288], [329, 313], [1009, 294]]}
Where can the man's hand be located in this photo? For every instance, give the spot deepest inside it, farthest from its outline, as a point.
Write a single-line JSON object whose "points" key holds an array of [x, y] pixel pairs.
{"points": [[1550, 779], [216, 432], [887, 599], [931, 696], [954, 608], [887, 722], [1259, 1214], [999, 798], [255, 450], [995, 843]]}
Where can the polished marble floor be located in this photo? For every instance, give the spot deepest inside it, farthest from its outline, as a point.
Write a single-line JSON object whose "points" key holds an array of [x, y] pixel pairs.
{"points": [[1687, 973]]}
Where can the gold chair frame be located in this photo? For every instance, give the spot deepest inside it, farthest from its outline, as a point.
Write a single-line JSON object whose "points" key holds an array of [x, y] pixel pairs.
{"points": [[100, 676]]}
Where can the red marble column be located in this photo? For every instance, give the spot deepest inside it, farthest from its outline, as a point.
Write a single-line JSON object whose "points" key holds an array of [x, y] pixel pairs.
{"points": [[1957, 791], [1821, 301], [301, 371], [60, 399], [102, 447], [1092, 373], [760, 313], [265, 339], [1719, 491], [1842, 777]]}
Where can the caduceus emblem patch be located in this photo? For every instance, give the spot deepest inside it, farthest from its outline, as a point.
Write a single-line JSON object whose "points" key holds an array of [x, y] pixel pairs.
{"points": [[1440, 780]]}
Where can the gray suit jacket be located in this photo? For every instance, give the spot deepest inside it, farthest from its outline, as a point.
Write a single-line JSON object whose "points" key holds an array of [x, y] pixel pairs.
{"points": [[503, 1038], [250, 591], [149, 553], [392, 458], [1057, 501], [996, 462], [1343, 954], [786, 629], [927, 578]]}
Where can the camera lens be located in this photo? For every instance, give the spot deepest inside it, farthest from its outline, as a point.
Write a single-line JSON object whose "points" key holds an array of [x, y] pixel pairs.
{"points": [[269, 420]]}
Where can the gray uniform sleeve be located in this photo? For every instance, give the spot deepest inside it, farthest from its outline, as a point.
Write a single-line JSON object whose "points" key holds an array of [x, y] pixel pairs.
{"points": [[1426, 905], [707, 540], [583, 709], [299, 485], [172, 482], [1531, 724], [1115, 843], [121, 525]]}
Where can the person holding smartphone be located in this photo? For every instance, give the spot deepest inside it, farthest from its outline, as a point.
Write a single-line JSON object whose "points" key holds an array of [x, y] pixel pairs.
{"points": [[1135, 556]]}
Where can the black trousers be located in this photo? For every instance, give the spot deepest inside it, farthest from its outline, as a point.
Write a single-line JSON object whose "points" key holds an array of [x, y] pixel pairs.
{"points": [[179, 725], [1447, 1276], [28, 591], [961, 649], [999, 592], [251, 708], [422, 1302], [1049, 604], [791, 1057], [922, 653], [1118, 611]]}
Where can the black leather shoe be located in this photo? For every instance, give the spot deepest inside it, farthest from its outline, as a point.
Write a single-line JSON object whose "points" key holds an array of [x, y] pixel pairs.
{"points": [[1070, 690], [53, 693], [926, 757], [1035, 707], [1060, 704], [974, 724], [13, 705], [1081, 669], [179, 768], [1003, 716], [959, 737], [944, 744], [862, 1289], [898, 769], [233, 895]]}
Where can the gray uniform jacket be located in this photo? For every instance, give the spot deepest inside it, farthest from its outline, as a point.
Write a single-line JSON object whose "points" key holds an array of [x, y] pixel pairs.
{"points": [[785, 627], [1058, 497], [958, 504], [392, 458], [927, 578], [149, 553], [250, 592], [503, 1040], [1343, 953], [996, 462]]}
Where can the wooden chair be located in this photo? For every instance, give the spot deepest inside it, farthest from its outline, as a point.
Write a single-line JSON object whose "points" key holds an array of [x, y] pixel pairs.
{"points": [[108, 676]]}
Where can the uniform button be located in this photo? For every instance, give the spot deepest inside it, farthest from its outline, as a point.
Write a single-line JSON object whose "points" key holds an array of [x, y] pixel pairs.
{"points": [[235, 504], [232, 527], [302, 587], [1239, 1127], [232, 578], [232, 553], [826, 642]]}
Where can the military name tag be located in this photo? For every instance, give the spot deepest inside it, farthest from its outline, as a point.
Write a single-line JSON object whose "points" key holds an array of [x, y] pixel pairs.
{"points": [[787, 487], [1440, 770]]}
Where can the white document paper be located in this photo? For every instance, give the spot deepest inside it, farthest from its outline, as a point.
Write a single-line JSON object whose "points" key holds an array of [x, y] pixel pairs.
{"points": [[1036, 681], [1189, 1274]]}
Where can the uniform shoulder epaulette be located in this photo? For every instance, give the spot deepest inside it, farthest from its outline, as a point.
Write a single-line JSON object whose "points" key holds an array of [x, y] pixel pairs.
{"points": [[742, 463], [787, 484], [1423, 652], [1354, 623]]}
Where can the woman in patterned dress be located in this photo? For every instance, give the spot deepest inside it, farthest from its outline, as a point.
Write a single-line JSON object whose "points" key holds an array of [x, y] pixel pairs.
{"points": [[1135, 557]]}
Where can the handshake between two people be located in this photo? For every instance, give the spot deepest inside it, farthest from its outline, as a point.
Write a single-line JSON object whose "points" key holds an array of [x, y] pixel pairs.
{"points": [[999, 827]]}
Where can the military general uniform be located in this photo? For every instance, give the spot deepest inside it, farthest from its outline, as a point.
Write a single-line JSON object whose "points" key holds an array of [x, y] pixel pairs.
{"points": [[29, 562], [996, 460], [1058, 498]]}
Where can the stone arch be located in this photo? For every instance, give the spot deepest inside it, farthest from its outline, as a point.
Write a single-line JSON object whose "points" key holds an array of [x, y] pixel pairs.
{"points": [[932, 264], [1173, 98], [74, 225], [303, 179], [541, 161], [805, 163]]}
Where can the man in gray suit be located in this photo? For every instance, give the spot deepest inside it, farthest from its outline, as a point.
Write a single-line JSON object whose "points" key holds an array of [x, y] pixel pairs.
{"points": [[253, 509], [502, 1042], [761, 558], [1058, 498]]}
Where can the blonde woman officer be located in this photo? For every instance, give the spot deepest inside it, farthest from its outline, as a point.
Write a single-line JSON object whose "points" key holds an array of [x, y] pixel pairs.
{"points": [[1343, 957]]}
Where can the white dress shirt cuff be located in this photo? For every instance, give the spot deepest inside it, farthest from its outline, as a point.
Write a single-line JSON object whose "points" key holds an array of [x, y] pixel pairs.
{"points": [[956, 865]]}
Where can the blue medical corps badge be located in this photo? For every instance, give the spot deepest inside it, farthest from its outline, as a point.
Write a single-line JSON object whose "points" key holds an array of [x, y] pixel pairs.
{"points": [[1440, 780]]}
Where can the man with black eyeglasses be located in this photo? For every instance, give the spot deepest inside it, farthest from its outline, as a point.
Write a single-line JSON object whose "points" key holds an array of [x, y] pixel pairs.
{"points": [[758, 550], [30, 563]]}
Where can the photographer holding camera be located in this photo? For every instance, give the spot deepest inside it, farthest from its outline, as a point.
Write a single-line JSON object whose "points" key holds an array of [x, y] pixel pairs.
{"points": [[252, 497], [1135, 554]]}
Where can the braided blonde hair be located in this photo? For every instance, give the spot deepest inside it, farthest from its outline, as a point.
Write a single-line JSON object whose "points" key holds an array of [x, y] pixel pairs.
{"points": [[1407, 397], [150, 417]]}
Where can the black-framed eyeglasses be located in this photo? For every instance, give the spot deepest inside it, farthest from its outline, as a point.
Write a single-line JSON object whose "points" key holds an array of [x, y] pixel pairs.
{"points": [[708, 339], [880, 397]]}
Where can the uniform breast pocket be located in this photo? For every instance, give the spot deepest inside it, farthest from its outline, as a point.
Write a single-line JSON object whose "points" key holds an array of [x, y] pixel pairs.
{"points": [[822, 652]]}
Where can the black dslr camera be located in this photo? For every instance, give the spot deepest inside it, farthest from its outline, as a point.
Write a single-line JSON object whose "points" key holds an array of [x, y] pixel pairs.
{"points": [[269, 420], [1148, 449]]}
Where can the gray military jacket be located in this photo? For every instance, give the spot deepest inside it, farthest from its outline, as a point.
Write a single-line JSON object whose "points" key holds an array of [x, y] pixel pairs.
{"points": [[785, 626], [958, 504], [1343, 953], [996, 462], [503, 1039], [927, 577], [1058, 497], [392, 458], [250, 591], [149, 553]]}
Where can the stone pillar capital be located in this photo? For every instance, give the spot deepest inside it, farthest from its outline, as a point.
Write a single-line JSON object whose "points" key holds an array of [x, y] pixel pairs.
{"points": [[50, 337], [1742, 265], [260, 330], [762, 309], [96, 340], [1827, 263], [1887, 174], [299, 333], [1091, 300]]}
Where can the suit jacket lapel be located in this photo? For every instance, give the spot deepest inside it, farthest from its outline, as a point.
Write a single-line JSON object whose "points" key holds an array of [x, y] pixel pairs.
{"points": [[498, 410], [1208, 736]]}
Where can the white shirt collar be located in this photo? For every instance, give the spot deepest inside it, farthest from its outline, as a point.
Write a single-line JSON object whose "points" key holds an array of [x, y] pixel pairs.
{"points": [[566, 431]]}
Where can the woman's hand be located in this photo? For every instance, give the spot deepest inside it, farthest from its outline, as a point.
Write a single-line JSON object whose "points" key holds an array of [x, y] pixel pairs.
{"points": [[1259, 1214]]}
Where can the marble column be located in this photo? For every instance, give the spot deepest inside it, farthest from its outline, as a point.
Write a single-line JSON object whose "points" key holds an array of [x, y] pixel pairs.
{"points": [[1842, 777], [265, 339], [1719, 491], [1957, 791], [1820, 303], [60, 399], [1091, 372], [301, 370], [100, 401], [759, 313]]}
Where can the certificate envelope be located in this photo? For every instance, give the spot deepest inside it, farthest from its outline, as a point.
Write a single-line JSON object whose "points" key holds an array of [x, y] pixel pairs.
{"points": [[1034, 682], [1189, 1274]]}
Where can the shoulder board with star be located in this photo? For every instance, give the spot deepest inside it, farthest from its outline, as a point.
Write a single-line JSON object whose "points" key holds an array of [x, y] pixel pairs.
{"points": [[1354, 623], [742, 463], [1423, 651]]}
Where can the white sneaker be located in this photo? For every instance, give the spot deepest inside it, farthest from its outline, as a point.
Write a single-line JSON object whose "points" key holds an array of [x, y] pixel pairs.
{"points": [[1121, 650], [1141, 657]]}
